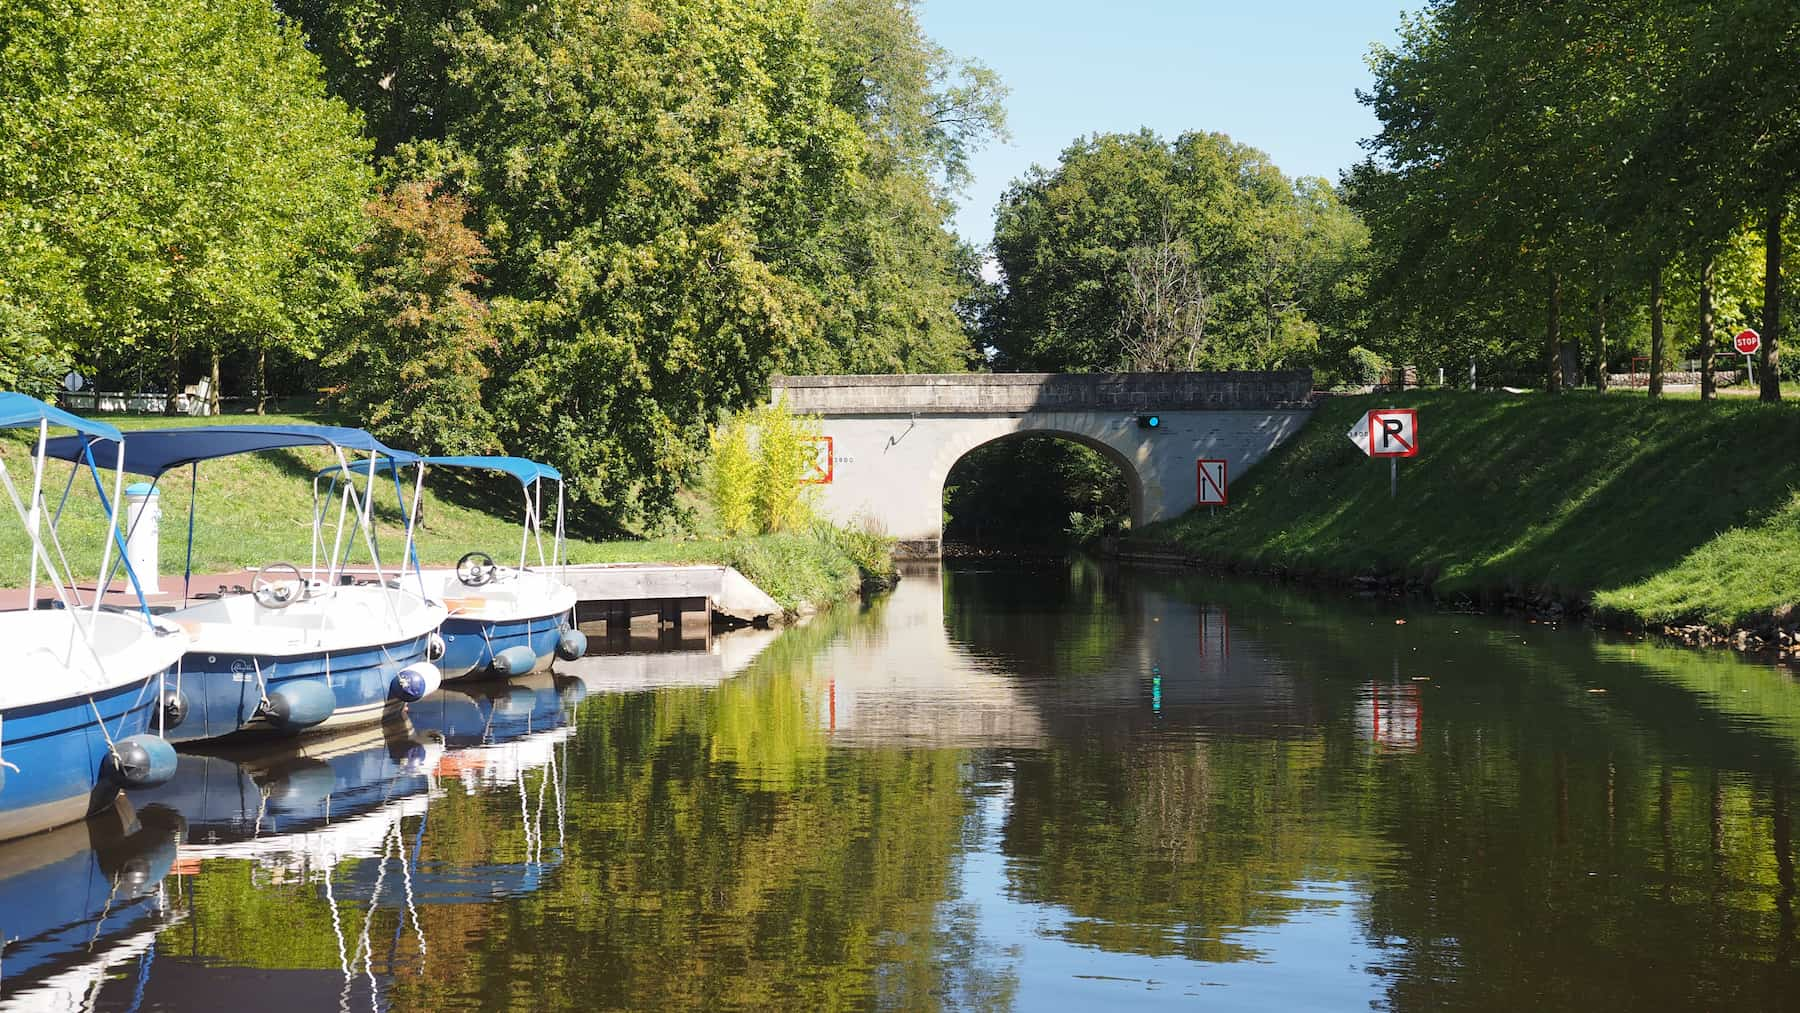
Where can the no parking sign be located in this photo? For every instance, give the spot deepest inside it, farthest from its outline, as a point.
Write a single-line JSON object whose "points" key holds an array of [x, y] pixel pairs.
{"points": [[1387, 432]]}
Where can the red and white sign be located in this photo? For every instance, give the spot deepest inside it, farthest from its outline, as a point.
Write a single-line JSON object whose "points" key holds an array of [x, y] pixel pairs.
{"points": [[1387, 432], [819, 467], [1210, 475], [1747, 342]]}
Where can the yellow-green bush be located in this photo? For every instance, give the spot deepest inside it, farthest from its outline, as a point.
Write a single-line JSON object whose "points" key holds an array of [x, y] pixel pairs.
{"points": [[731, 477]]}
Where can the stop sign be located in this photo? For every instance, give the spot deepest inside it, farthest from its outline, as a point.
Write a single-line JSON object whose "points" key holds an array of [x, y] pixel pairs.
{"points": [[1747, 341]]}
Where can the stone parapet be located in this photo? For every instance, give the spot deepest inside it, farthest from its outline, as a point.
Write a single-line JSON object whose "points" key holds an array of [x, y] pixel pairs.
{"points": [[955, 393]]}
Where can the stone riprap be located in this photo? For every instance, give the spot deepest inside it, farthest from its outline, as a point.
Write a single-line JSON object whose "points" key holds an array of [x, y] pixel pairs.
{"points": [[892, 440]]}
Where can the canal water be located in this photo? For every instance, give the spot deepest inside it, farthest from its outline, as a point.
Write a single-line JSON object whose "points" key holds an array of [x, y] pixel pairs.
{"points": [[1033, 787]]}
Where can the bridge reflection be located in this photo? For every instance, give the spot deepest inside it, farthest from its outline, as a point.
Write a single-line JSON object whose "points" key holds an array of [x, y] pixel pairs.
{"points": [[924, 672]]}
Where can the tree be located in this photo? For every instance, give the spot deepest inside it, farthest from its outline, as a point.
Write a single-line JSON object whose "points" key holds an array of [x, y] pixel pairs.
{"points": [[170, 173], [1167, 304], [412, 368], [681, 197], [1256, 241]]}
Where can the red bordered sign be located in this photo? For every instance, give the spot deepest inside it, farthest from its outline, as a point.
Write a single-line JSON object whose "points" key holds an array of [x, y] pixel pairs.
{"points": [[1387, 432], [1210, 479], [819, 468]]}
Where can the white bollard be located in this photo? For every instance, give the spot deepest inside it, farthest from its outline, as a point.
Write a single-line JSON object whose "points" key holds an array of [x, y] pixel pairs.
{"points": [[143, 520]]}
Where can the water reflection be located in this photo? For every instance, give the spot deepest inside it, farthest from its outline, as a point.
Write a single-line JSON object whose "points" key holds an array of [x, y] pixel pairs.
{"points": [[1040, 788], [80, 900]]}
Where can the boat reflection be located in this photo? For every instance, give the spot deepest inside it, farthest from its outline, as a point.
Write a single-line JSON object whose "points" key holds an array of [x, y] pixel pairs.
{"points": [[80, 900], [342, 824]]}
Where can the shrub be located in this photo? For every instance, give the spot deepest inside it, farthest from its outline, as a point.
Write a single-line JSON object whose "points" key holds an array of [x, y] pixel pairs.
{"points": [[731, 477]]}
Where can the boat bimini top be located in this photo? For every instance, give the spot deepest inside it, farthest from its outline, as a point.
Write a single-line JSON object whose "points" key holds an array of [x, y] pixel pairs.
{"points": [[103, 650], [156, 452], [531, 475]]}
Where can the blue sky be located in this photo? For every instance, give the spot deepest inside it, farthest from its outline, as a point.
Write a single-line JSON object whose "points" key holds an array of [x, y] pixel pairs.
{"points": [[1277, 74]]}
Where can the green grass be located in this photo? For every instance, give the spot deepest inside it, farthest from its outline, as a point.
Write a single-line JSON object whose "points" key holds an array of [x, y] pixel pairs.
{"points": [[257, 508], [1658, 511]]}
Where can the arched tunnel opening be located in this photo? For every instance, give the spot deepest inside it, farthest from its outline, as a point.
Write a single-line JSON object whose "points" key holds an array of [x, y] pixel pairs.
{"points": [[1035, 492]]}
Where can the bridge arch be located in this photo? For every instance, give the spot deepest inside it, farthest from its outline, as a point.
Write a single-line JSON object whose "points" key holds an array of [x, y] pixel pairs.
{"points": [[892, 440], [961, 443]]}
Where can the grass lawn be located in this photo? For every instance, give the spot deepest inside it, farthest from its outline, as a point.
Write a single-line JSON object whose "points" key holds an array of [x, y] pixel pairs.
{"points": [[1663, 511], [255, 509]]}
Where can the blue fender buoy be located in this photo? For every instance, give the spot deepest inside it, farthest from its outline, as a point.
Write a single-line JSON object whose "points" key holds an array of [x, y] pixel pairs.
{"points": [[174, 708], [571, 645], [301, 703], [515, 660], [141, 761], [417, 681]]}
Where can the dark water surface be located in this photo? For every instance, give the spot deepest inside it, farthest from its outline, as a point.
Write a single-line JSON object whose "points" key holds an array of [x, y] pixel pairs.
{"points": [[1033, 788]]}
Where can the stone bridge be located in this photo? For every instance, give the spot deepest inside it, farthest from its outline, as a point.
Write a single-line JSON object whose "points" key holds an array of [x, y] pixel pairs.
{"points": [[890, 441]]}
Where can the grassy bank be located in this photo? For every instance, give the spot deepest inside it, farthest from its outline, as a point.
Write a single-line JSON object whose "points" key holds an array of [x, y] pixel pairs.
{"points": [[1661, 512], [257, 509]]}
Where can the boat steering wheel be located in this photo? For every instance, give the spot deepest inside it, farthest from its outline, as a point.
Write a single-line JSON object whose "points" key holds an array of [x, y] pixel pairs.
{"points": [[278, 592], [475, 569]]}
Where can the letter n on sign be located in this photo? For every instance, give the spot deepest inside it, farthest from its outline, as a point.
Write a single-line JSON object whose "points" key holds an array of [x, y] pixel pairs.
{"points": [[1211, 477]]}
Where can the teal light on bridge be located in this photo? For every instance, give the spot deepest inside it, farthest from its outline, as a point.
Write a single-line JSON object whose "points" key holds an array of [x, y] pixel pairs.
{"points": [[1149, 421]]}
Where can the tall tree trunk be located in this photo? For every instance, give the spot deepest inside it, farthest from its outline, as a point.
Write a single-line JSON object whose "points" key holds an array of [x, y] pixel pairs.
{"points": [[212, 391], [1553, 338], [1600, 343], [1707, 390], [174, 374], [1656, 329], [1771, 331], [262, 378]]}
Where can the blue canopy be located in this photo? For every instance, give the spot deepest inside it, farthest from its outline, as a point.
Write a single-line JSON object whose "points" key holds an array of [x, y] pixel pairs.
{"points": [[18, 410], [524, 470], [156, 451]]}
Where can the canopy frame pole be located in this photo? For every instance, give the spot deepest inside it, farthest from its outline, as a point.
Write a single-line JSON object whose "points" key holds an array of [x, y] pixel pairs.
{"points": [[337, 535], [412, 553], [56, 540], [187, 568], [34, 518], [559, 552], [112, 530], [537, 517]]}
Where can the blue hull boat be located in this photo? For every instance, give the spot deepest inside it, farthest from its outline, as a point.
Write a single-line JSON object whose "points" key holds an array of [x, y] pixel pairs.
{"points": [[299, 650], [59, 765], [472, 645], [502, 621], [225, 694], [84, 681]]}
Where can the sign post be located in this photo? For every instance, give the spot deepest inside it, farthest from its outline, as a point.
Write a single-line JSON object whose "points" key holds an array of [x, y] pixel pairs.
{"points": [[1392, 433], [1748, 343]]}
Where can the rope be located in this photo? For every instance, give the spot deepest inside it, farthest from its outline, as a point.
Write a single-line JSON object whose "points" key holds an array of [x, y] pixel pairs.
{"points": [[262, 688], [3, 763]]}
